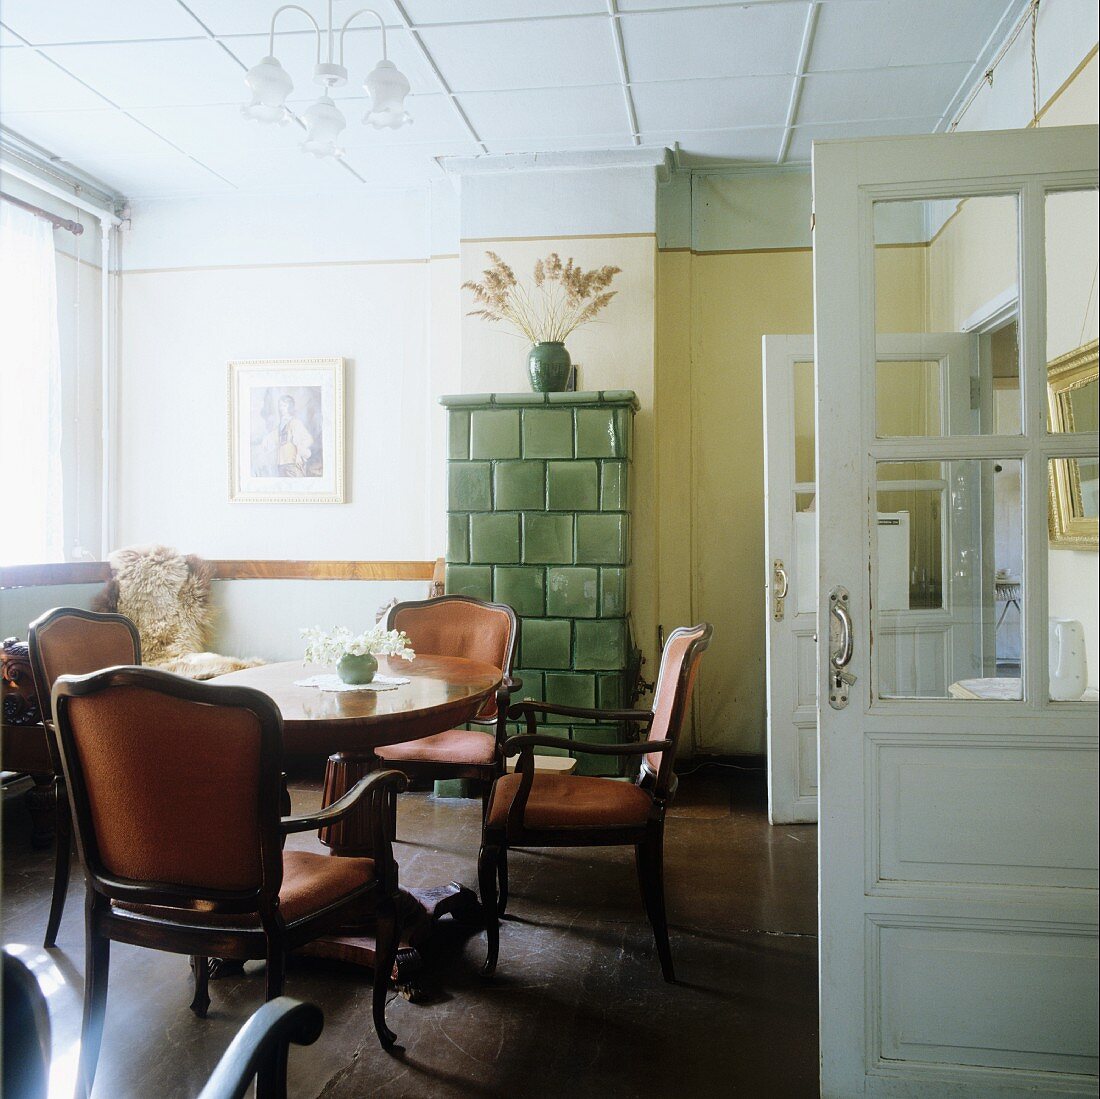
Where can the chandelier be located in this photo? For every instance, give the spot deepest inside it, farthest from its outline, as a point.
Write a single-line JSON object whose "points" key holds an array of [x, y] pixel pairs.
{"points": [[270, 84]]}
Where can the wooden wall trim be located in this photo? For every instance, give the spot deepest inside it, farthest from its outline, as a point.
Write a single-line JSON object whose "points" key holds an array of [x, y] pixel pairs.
{"points": [[98, 572]]}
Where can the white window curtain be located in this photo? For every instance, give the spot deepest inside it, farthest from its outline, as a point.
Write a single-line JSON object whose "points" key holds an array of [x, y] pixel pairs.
{"points": [[30, 389]]}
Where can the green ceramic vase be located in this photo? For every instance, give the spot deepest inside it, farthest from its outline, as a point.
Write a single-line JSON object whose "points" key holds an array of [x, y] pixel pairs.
{"points": [[548, 365], [357, 669]]}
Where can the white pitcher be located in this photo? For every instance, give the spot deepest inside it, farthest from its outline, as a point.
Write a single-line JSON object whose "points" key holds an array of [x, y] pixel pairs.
{"points": [[1068, 667]]}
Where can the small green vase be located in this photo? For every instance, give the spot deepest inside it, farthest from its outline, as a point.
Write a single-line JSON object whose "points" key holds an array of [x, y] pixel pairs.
{"points": [[357, 669], [549, 366]]}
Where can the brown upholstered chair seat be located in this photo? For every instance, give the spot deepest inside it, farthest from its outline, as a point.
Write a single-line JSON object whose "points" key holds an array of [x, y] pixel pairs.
{"points": [[571, 801], [460, 746], [311, 883]]}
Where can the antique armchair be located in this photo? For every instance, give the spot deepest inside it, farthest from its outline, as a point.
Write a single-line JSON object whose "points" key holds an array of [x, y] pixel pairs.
{"points": [[69, 641], [455, 625], [546, 810], [258, 1052], [175, 791]]}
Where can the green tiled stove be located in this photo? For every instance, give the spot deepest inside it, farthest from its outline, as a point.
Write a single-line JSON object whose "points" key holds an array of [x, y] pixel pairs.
{"points": [[539, 518]]}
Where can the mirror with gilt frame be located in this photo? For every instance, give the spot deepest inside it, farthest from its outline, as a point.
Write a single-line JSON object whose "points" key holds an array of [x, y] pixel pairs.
{"points": [[1073, 389]]}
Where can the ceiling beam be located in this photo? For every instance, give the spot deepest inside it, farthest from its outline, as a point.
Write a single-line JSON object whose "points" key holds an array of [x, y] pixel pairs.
{"points": [[808, 32], [624, 72]]}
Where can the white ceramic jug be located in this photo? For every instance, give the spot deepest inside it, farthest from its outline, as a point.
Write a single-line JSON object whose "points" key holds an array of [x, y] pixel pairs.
{"points": [[1068, 668]]}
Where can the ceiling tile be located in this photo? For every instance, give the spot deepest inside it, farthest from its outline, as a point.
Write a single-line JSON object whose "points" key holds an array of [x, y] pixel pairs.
{"points": [[154, 176], [73, 134], [899, 32], [254, 16], [28, 82], [281, 171], [362, 50], [544, 54], [434, 121], [703, 148], [650, 5], [853, 96], [546, 113], [804, 136], [712, 104], [749, 40], [407, 166], [41, 21], [216, 127], [484, 11], [563, 143], [156, 74]]}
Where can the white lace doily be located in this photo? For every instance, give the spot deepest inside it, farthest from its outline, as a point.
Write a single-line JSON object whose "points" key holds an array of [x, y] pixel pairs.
{"points": [[335, 683]]}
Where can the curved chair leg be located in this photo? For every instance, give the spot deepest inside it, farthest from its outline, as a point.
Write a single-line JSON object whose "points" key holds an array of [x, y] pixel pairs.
{"points": [[502, 878], [201, 1000], [97, 960], [385, 954], [650, 859], [488, 861], [62, 855]]}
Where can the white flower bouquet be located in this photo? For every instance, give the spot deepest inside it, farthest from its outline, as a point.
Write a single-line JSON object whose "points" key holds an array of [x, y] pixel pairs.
{"points": [[331, 646]]}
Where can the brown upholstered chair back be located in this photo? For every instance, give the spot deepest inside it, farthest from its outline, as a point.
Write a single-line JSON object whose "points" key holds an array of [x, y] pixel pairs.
{"points": [[69, 641], [174, 784], [454, 625], [672, 696]]}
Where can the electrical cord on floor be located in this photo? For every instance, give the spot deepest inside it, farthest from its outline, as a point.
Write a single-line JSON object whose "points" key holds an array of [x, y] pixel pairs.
{"points": [[717, 763]]}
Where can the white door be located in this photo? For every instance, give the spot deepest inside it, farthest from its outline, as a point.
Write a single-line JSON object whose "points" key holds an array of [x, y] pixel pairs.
{"points": [[958, 826], [929, 646]]}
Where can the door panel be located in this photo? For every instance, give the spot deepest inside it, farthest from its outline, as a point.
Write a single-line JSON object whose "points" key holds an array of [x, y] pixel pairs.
{"points": [[958, 864]]}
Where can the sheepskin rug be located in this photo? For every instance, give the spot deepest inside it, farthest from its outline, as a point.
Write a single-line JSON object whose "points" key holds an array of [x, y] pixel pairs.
{"points": [[167, 596]]}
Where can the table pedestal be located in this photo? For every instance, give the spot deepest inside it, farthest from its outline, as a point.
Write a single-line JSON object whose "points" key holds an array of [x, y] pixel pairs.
{"points": [[418, 911]]}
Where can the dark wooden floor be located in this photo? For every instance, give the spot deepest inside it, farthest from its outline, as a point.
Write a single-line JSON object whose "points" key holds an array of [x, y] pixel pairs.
{"points": [[577, 1008]]}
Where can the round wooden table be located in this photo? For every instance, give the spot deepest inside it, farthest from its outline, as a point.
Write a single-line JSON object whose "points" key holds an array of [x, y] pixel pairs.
{"points": [[346, 726]]}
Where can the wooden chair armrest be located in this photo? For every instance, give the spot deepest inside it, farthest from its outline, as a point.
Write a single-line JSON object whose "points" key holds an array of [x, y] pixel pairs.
{"points": [[525, 742], [529, 707], [512, 684], [260, 1048], [373, 785]]}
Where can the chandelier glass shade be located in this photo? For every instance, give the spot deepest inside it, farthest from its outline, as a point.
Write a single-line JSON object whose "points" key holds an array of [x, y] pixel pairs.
{"points": [[270, 85]]}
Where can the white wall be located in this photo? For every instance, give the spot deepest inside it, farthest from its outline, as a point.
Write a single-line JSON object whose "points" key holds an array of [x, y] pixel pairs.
{"points": [[204, 283]]}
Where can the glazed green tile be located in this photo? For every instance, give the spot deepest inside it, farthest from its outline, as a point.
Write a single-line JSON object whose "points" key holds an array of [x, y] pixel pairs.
{"points": [[600, 433], [570, 689], [572, 486], [613, 486], [465, 400], [612, 593], [551, 730], [454, 788], [519, 399], [602, 538], [458, 538], [475, 581], [532, 688], [547, 539], [620, 396], [581, 397], [610, 691], [458, 432], [600, 644], [468, 486], [544, 643], [494, 433], [547, 433], [519, 486], [494, 538], [590, 764], [571, 592], [521, 588]]}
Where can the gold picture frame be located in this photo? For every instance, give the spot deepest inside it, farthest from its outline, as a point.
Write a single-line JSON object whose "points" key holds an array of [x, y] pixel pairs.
{"points": [[1070, 527], [286, 431]]}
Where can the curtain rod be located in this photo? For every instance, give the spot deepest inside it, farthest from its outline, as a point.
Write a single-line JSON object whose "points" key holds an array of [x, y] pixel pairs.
{"points": [[69, 226]]}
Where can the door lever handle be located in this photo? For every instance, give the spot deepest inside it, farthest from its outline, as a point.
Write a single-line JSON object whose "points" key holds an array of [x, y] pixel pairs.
{"points": [[840, 648], [780, 587]]}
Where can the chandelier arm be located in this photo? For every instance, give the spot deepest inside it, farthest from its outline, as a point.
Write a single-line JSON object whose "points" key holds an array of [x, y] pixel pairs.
{"points": [[292, 7], [355, 15]]}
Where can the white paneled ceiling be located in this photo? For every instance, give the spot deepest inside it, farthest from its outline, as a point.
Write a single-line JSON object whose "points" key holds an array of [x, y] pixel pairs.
{"points": [[145, 94]]}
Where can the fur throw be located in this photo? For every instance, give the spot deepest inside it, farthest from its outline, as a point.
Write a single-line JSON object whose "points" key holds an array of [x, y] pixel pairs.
{"points": [[167, 596]]}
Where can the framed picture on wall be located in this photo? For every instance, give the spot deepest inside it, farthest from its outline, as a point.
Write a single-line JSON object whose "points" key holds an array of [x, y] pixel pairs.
{"points": [[286, 431]]}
